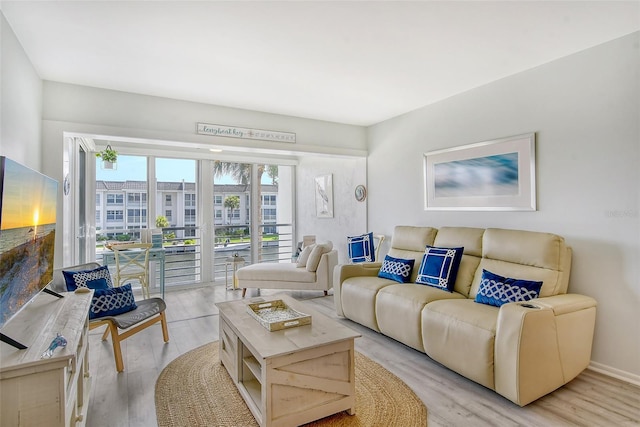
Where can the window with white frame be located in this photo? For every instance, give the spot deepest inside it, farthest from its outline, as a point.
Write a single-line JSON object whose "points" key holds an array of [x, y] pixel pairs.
{"points": [[114, 215], [115, 199]]}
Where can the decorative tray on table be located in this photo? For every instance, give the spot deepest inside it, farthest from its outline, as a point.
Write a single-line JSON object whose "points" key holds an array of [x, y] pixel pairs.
{"points": [[276, 315]]}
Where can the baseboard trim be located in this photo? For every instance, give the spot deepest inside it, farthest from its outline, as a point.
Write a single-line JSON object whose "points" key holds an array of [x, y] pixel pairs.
{"points": [[615, 373]]}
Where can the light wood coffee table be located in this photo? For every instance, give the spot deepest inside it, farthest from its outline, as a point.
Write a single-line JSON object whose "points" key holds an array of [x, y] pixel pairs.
{"points": [[292, 376]]}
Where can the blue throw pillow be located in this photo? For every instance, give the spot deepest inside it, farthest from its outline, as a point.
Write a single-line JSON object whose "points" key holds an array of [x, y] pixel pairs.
{"points": [[497, 290], [397, 269], [361, 248], [93, 279], [439, 267], [112, 301]]}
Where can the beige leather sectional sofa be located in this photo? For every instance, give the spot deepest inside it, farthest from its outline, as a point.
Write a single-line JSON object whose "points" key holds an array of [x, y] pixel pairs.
{"points": [[520, 352]]}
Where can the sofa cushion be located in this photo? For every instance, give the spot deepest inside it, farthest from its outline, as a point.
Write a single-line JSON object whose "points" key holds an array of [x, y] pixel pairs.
{"points": [[396, 269], [315, 255], [360, 248], [358, 296], [399, 308], [439, 267], [408, 242], [98, 278], [530, 255], [460, 334], [497, 290]]}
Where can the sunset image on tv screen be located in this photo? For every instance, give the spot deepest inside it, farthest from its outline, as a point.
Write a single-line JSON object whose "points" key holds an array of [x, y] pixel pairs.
{"points": [[27, 235]]}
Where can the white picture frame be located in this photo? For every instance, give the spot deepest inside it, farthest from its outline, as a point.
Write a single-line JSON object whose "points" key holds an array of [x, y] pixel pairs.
{"points": [[496, 175], [324, 196]]}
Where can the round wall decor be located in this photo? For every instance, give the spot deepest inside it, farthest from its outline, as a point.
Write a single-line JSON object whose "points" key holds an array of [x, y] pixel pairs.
{"points": [[361, 193]]}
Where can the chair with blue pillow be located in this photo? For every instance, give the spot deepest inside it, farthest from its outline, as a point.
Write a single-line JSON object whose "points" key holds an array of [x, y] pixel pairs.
{"points": [[114, 307], [364, 248]]}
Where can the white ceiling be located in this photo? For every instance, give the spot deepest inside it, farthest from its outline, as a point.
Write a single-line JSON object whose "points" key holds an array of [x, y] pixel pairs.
{"points": [[353, 62]]}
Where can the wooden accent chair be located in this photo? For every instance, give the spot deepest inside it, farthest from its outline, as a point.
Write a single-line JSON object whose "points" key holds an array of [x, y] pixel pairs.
{"points": [[132, 262], [122, 326]]}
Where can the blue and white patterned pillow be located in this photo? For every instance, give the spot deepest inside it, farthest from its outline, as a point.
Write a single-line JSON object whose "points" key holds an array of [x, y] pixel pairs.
{"points": [[361, 248], [497, 290], [112, 301], [439, 267], [93, 279], [397, 269]]}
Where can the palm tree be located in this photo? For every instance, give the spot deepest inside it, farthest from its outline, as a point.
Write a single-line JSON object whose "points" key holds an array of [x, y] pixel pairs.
{"points": [[232, 203], [241, 173]]}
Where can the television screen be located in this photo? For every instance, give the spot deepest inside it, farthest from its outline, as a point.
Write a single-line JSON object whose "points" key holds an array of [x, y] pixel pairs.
{"points": [[27, 235]]}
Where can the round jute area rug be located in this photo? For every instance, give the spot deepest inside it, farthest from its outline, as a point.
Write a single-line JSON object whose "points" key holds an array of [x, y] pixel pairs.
{"points": [[196, 390]]}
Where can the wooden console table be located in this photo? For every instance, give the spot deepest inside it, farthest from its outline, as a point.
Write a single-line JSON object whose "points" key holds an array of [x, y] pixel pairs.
{"points": [[47, 392], [292, 376]]}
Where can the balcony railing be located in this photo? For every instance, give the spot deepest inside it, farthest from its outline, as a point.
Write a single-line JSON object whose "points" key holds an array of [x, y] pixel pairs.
{"points": [[183, 251]]}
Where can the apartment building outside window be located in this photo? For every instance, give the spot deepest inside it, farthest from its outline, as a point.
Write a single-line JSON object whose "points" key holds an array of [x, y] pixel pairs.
{"points": [[190, 216], [115, 199], [115, 215], [137, 198], [137, 216]]}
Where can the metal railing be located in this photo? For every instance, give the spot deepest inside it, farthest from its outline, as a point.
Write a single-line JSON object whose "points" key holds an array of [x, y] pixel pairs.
{"points": [[276, 246], [184, 258]]}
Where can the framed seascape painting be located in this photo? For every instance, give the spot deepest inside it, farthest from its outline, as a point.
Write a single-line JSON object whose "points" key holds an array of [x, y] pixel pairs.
{"points": [[489, 175], [324, 196]]}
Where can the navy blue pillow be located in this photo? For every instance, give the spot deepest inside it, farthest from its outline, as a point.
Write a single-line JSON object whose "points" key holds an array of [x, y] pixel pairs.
{"points": [[397, 269], [439, 267], [361, 248], [112, 301], [497, 290], [94, 279]]}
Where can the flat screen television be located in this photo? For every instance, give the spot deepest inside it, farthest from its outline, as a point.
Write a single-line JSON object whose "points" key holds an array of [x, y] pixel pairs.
{"points": [[27, 235]]}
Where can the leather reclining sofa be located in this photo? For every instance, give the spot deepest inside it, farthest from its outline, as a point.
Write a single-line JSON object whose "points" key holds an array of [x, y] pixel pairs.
{"points": [[520, 350]]}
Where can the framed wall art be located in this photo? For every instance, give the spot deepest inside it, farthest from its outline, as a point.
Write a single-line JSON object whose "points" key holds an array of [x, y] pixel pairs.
{"points": [[489, 175], [324, 196]]}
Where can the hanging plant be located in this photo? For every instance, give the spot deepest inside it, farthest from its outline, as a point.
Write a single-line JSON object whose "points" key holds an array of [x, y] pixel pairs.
{"points": [[108, 155]]}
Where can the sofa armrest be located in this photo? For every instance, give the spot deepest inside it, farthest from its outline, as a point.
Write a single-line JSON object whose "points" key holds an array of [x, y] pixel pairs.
{"points": [[540, 348], [344, 271], [566, 303]]}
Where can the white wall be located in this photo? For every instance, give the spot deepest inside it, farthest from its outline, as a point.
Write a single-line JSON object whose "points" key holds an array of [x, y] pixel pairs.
{"points": [[349, 215], [176, 120], [20, 102], [585, 111]]}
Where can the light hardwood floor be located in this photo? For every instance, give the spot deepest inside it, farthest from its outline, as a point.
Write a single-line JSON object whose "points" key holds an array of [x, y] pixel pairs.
{"points": [[127, 399]]}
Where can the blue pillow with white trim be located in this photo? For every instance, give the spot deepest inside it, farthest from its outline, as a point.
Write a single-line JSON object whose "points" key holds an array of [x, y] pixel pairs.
{"points": [[397, 269], [93, 279], [439, 267], [112, 301], [497, 290], [361, 248]]}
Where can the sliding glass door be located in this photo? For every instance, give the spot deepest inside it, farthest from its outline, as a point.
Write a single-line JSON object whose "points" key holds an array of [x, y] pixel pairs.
{"points": [[243, 209], [253, 213]]}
